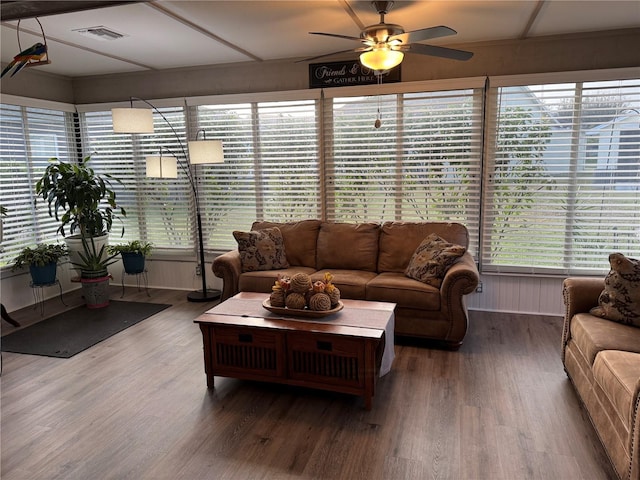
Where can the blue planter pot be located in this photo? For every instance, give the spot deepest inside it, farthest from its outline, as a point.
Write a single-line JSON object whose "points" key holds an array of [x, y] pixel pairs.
{"points": [[43, 275], [133, 262]]}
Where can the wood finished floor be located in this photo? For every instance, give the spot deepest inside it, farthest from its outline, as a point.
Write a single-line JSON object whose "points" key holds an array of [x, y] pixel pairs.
{"points": [[136, 406]]}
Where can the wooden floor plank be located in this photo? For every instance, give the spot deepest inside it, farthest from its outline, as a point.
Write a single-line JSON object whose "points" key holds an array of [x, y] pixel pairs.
{"points": [[136, 406]]}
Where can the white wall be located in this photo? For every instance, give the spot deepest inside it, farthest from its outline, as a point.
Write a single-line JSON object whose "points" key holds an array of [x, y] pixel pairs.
{"points": [[519, 294], [179, 275], [500, 293]]}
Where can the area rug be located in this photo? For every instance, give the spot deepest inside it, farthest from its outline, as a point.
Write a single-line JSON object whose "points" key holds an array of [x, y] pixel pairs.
{"points": [[73, 331]]}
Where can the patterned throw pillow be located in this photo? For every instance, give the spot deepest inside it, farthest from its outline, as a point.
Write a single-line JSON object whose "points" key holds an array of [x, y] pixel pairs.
{"points": [[431, 260], [261, 249], [620, 299]]}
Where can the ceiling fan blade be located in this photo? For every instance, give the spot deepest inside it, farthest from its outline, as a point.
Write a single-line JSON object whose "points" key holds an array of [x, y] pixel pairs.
{"points": [[325, 55], [424, 34], [439, 51], [336, 35]]}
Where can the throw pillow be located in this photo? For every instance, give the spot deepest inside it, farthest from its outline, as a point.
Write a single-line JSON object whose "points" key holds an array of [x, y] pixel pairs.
{"points": [[620, 299], [431, 260], [261, 249]]}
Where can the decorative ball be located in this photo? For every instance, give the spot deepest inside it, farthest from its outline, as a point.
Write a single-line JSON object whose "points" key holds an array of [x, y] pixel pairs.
{"points": [[284, 283], [300, 283], [295, 300], [320, 301], [334, 295], [277, 298]]}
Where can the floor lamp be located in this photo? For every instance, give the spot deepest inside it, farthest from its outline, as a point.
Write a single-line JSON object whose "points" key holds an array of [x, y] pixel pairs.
{"points": [[140, 120]]}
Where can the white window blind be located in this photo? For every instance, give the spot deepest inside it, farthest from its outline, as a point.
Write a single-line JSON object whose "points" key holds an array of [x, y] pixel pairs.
{"points": [[271, 167], [29, 137], [563, 177], [158, 210], [423, 163]]}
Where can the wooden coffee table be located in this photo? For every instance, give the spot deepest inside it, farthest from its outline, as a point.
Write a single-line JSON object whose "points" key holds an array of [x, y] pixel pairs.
{"points": [[342, 352]]}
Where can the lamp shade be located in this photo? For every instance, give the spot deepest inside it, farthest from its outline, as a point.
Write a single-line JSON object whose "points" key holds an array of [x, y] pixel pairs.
{"points": [[162, 167], [381, 58], [206, 151], [132, 120]]}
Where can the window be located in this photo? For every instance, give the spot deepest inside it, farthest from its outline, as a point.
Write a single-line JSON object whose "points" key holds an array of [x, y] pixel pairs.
{"points": [[556, 191], [271, 168], [29, 137], [422, 163], [158, 210], [563, 176]]}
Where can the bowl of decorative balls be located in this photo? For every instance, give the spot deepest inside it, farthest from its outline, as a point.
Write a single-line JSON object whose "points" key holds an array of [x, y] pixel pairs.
{"points": [[299, 296]]}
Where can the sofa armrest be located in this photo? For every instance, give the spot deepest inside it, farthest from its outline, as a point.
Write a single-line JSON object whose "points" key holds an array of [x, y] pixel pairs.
{"points": [[634, 471], [580, 294], [464, 274], [461, 279], [228, 267]]}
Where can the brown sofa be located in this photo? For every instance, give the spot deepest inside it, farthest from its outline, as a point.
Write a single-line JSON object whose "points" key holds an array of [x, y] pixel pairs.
{"points": [[602, 359], [367, 261]]}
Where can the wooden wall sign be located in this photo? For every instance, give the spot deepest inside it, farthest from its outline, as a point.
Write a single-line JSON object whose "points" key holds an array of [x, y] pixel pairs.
{"points": [[345, 74]]}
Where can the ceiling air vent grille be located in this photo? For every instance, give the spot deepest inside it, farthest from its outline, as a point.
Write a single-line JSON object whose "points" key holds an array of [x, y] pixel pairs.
{"points": [[100, 32]]}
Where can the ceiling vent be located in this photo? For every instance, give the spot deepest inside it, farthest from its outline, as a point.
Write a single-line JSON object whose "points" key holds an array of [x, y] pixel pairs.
{"points": [[100, 33]]}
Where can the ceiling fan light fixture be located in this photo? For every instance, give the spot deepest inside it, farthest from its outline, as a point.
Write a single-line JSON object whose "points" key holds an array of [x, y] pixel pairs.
{"points": [[381, 58]]}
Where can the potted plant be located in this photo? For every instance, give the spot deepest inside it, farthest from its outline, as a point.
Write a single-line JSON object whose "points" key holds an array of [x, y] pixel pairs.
{"points": [[42, 262], [83, 201], [133, 255], [94, 275]]}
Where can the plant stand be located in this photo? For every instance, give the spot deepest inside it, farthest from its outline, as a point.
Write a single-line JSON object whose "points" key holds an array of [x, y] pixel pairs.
{"points": [[139, 276], [38, 294]]}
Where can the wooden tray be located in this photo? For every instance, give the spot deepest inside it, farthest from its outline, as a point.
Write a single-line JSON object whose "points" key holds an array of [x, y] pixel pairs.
{"points": [[294, 312]]}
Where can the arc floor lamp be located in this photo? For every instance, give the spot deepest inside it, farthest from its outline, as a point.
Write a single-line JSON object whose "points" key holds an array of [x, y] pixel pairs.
{"points": [[140, 120]]}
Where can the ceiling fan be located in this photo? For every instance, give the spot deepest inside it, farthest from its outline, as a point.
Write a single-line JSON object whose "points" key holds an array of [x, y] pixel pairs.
{"points": [[384, 44]]}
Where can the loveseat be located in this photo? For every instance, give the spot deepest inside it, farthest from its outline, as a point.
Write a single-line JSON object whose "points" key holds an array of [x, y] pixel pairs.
{"points": [[368, 262], [602, 359]]}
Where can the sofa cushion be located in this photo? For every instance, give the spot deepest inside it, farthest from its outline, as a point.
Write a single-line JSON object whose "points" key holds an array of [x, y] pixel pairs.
{"points": [[593, 334], [262, 281], [620, 299], [348, 246], [617, 373], [431, 260], [300, 239], [351, 283], [261, 249], [406, 292], [399, 240]]}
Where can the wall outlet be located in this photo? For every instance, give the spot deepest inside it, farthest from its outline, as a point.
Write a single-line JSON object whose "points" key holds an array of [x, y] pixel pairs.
{"points": [[198, 270], [479, 288]]}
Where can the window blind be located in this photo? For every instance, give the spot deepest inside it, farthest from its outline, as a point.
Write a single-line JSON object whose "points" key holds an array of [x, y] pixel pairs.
{"points": [[158, 210], [563, 176], [29, 137], [422, 164], [271, 167]]}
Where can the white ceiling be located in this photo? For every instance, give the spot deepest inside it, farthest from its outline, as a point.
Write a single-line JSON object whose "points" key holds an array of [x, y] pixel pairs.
{"points": [[174, 34]]}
